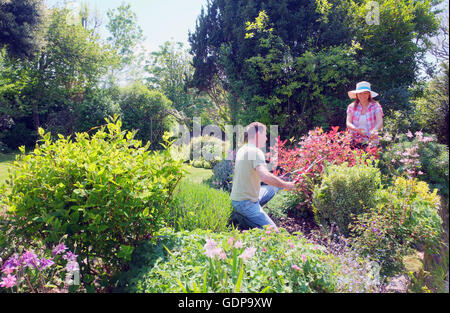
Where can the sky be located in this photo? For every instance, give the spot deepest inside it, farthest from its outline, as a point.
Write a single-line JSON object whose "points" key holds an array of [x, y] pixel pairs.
{"points": [[160, 20]]}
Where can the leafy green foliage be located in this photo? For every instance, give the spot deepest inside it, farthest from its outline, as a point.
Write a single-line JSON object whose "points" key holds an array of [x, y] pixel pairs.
{"points": [[199, 206], [406, 217], [147, 111], [290, 62], [280, 205], [281, 263], [105, 191], [431, 110], [45, 89], [345, 191]]}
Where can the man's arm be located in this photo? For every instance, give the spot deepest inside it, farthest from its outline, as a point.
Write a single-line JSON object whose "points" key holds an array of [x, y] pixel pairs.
{"points": [[270, 179]]}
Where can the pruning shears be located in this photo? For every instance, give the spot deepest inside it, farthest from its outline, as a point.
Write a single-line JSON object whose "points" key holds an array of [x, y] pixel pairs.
{"points": [[307, 170]]}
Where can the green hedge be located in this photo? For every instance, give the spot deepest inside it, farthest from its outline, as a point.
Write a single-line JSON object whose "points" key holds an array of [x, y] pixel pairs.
{"points": [[345, 191]]}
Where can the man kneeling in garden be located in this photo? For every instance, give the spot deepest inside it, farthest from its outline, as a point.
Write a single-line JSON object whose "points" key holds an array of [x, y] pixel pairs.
{"points": [[247, 194]]}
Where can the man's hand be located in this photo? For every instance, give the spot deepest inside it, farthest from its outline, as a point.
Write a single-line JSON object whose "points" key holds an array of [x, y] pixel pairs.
{"points": [[289, 186], [273, 180]]}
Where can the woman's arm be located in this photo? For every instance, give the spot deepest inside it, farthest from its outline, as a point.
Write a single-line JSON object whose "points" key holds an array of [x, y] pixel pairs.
{"points": [[378, 123]]}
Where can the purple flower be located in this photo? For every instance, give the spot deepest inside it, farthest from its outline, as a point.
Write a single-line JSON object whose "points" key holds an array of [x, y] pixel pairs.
{"points": [[13, 262], [59, 249], [29, 258], [8, 281], [70, 256], [46, 263]]}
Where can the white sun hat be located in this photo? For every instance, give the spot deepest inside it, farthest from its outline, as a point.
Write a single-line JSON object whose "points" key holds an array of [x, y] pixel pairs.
{"points": [[362, 87]]}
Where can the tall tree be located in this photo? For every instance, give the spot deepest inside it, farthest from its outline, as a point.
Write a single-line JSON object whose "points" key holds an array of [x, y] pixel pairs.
{"points": [[71, 62], [20, 21], [170, 70], [295, 69], [126, 38]]}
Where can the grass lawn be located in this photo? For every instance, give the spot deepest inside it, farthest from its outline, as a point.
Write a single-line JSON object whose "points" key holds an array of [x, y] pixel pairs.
{"points": [[5, 163], [198, 175]]}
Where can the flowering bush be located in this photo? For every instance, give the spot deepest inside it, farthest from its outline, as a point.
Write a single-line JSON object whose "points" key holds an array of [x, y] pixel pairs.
{"points": [[259, 260], [105, 191], [343, 192], [31, 271], [416, 155], [406, 217], [209, 150], [312, 153]]}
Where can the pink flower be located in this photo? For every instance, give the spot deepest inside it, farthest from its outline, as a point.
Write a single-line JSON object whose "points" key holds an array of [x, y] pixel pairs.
{"points": [[210, 244], [426, 139], [264, 249], [239, 244], [8, 269], [262, 238], [230, 241], [295, 267], [222, 255], [268, 232], [409, 134], [419, 134], [315, 247], [420, 172], [248, 253], [304, 258], [210, 248], [8, 281]]}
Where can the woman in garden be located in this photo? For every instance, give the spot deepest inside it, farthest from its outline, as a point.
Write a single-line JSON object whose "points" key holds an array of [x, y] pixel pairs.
{"points": [[364, 115]]}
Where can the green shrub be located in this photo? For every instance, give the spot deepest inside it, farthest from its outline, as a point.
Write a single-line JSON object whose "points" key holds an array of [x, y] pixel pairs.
{"points": [[406, 217], [279, 206], [223, 175], [147, 111], [199, 206], [344, 191], [105, 191], [280, 262]]}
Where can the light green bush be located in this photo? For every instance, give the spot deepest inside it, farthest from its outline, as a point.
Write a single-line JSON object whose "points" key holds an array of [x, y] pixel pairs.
{"points": [[105, 191], [345, 191]]}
